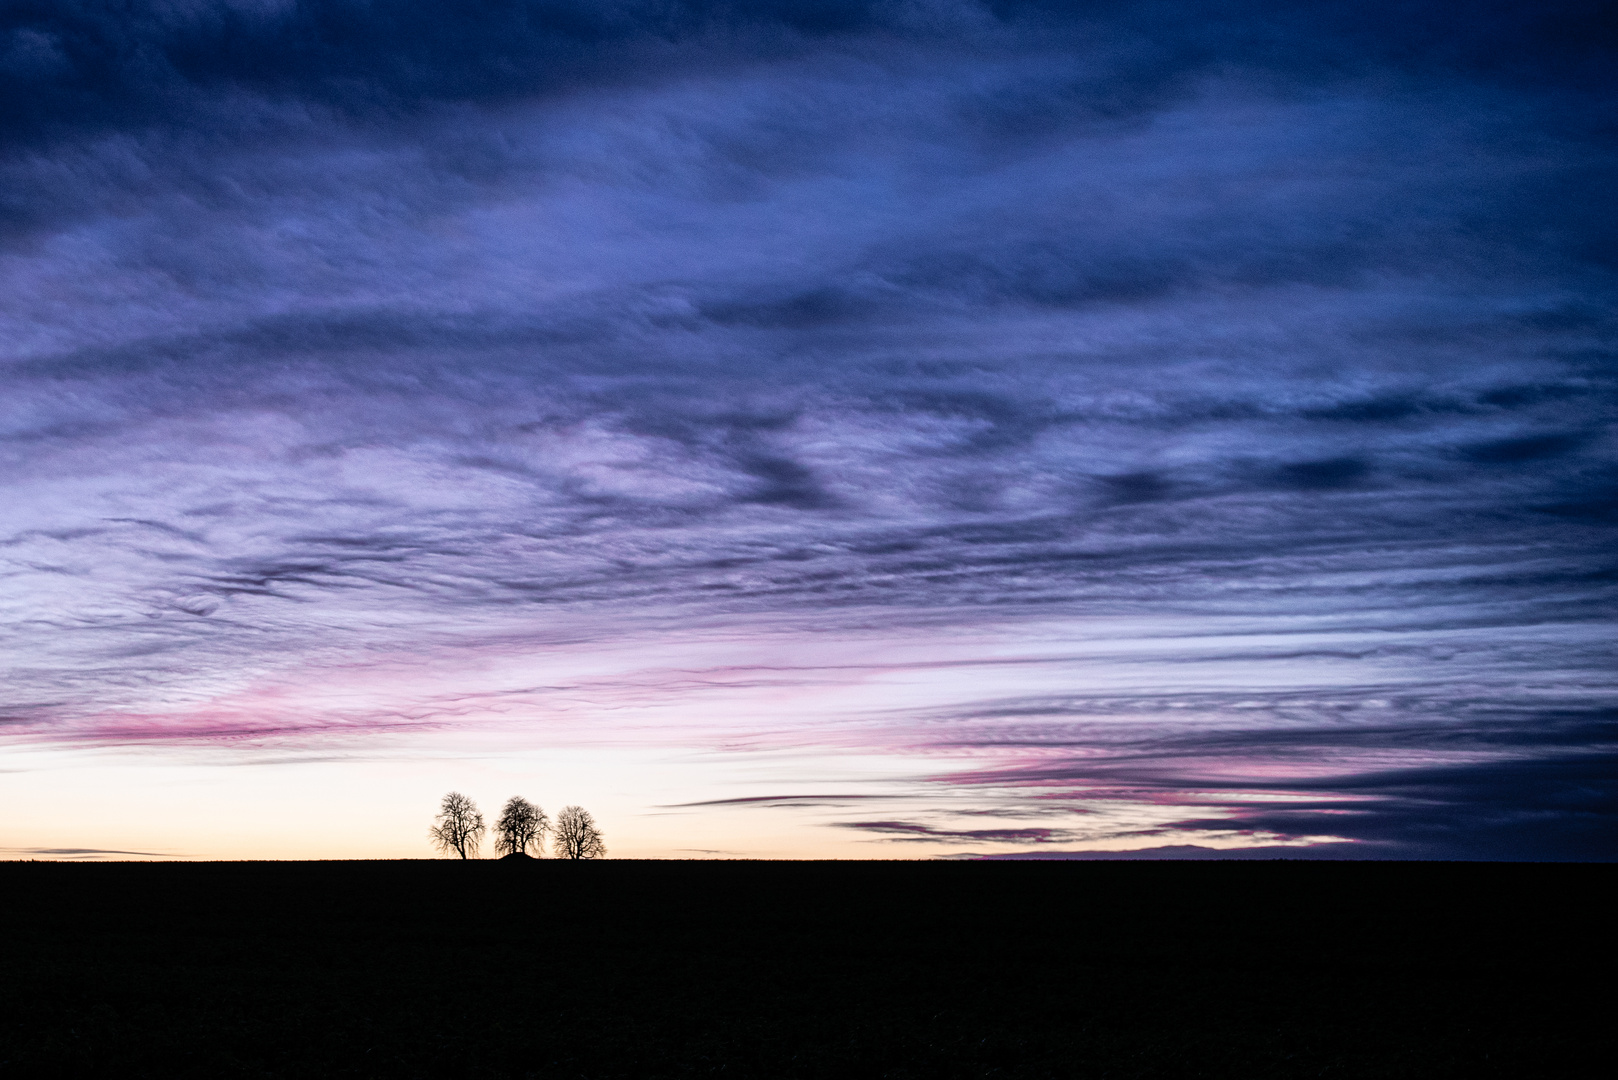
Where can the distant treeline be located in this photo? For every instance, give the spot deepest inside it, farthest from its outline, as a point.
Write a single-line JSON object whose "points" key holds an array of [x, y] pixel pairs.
{"points": [[522, 829]]}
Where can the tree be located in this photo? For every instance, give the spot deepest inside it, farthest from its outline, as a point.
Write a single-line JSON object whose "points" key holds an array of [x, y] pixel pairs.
{"points": [[522, 825], [577, 836], [458, 829]]}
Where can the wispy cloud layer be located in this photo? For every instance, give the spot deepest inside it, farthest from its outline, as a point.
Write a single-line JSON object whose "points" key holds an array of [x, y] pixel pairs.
{"points": [[353, 350], [83, 853]]}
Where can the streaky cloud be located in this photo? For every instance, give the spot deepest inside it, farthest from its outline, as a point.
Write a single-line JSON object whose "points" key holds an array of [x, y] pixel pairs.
{"points": [[386, 370]]}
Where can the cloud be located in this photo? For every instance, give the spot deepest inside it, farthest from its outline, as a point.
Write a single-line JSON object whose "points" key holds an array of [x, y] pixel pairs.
{"points": [[1191, 852], [89, 853], [795, 801], [1552, 808], [348, 337], [1440, 778], [912, 831]]}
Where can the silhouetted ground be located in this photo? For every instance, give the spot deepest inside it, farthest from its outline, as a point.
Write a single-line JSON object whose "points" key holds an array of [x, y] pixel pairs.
{"points": [[825, 970]]}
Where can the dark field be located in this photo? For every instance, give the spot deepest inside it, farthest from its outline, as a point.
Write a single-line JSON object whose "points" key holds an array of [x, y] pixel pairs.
{"points": [[806, 969]]}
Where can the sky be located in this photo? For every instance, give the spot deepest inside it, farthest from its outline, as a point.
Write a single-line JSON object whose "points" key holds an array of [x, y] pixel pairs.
{"points": [[807, 429]]}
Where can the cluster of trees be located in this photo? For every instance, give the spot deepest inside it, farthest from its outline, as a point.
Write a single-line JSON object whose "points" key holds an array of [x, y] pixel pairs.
{"points": [[521, 830]]}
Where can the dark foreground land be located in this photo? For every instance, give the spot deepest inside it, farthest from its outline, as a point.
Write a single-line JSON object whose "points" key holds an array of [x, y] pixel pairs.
{"points": [[806, 969]]}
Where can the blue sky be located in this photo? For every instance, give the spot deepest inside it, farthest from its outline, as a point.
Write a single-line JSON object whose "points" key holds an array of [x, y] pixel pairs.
{"points": [[852, 429]]}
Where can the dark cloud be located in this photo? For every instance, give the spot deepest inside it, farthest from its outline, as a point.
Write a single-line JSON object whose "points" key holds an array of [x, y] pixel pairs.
{"points": [[79, 63], [116, 63], [88, 853], [781, 800], [1320, 475], [1554, 808], [1504, 780], [909, 830], [1185, 852]]}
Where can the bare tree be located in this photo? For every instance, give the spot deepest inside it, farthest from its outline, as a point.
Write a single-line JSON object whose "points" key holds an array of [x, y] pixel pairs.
{"points": [[577, 836], [458, 829], [522, 825]]}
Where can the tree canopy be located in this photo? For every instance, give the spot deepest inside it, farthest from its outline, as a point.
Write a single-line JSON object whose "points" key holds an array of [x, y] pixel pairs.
{"points": [[459, 828], [522, 826], [577, 836]]}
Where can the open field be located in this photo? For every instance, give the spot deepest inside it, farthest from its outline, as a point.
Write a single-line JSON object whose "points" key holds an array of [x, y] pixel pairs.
{"points": [[805, 969]]}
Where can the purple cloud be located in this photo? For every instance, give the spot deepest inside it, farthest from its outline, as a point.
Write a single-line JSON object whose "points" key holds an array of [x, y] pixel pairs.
{"points": [[352, 351]]}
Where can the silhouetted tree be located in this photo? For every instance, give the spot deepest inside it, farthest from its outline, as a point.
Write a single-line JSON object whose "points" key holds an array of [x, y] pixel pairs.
{"points": [[458, 829], [522, 825], [577, 836]]}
